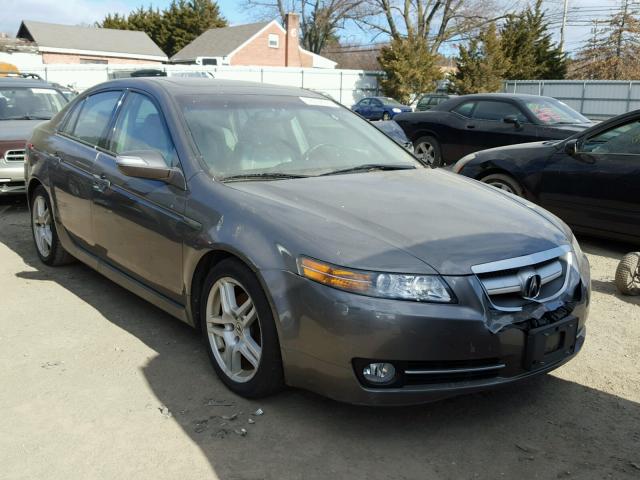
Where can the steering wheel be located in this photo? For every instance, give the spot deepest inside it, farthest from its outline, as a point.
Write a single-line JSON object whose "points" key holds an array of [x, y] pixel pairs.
{"points": [[317, 148]]}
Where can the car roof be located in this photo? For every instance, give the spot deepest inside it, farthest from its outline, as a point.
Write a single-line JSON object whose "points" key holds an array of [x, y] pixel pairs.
{"points": [[182, 85], [23, 82]]}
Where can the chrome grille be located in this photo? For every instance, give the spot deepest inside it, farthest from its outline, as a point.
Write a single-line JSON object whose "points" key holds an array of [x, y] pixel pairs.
{"points": [[14, 156], [505, 281]]}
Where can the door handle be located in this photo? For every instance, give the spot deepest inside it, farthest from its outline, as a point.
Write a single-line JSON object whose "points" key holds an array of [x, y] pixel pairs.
{"points": [[100, 183], [470, 126]]}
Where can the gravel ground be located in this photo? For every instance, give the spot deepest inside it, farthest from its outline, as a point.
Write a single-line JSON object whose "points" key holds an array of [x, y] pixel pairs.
{"points": [[96, 383]]}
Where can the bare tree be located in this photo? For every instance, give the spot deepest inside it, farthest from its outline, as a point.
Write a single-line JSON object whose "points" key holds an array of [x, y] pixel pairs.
{"points": [[319, 19], [434, 21]]}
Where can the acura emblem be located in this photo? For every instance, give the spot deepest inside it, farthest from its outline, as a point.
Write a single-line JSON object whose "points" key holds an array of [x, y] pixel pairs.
{"points": [[531, 287]]}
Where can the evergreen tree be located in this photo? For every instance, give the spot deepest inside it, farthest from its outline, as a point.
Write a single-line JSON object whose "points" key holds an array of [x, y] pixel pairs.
{"points": [[410, 69], [482, 65], [612, 52], [174, 27], [526, 42]]}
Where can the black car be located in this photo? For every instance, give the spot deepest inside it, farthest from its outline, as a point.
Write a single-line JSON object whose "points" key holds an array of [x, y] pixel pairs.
{"points": [[469, 123], [590, 180]]}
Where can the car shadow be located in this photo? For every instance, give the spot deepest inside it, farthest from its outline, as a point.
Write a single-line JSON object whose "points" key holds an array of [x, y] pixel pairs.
{"points": [[547, 427]]}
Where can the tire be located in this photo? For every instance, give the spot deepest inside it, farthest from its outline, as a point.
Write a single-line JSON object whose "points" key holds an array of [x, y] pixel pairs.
{"points": [[386, 116], [43, 230], [428, 150], [242, 343], [628, 274], [503, 182]]}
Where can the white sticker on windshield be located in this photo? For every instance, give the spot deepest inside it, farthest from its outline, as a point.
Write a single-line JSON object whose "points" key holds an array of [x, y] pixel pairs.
{"points": [[318, 102], [48, 91]]}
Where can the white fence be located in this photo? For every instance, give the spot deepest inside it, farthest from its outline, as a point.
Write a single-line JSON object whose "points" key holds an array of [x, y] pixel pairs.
{"points": [[595, 99], [345, 86]]}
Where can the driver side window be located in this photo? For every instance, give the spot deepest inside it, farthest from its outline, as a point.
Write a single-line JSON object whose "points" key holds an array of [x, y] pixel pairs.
{"points": [[621, 140], [140, 127]]}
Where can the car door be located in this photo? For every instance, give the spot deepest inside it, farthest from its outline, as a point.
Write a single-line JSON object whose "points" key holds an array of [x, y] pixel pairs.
{"points": [[74, 152], [376, 109], [489, 129], [364, 107], [137, 222], [596, 187]]}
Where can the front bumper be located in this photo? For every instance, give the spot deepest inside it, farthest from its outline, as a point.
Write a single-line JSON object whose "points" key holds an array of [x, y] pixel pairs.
{"points": [[11, 177], [324, 332]]}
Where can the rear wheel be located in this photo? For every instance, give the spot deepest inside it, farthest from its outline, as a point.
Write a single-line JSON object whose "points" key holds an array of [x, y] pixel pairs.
{"points": [[43, 227], [503, 182], [628, 274], [428, 150], [239, 331]]}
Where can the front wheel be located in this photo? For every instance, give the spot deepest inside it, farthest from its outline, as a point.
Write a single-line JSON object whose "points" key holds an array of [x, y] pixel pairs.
{"points": [[503, 182], [239, 331], [628, 274], [43, 228], [386, 116], [427, 149]]}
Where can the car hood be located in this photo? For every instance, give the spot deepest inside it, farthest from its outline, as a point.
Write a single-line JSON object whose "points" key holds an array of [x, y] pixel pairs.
{"points": [[567, 130], [509, 150], [447, 221], [18, 129]]}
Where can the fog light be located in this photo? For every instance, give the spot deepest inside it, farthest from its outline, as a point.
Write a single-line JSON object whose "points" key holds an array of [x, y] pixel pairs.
{"points": [[379, 372]]}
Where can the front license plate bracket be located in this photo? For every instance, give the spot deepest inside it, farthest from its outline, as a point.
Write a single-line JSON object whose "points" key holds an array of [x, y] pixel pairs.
{"points": [[550, 343]]}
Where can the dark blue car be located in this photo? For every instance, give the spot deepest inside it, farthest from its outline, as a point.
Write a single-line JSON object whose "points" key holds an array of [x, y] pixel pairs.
{"points": [[379, 108]]}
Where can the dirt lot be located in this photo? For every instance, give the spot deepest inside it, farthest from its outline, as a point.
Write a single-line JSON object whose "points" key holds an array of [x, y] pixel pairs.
{"points": [[96, 383]]}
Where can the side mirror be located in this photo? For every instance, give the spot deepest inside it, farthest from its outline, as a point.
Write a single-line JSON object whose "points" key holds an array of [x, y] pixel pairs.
{"points": [[571, 147], [512, 119], [149, 164]]}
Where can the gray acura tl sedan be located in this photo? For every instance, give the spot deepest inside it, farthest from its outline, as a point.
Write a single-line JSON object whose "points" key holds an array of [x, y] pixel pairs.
{"points": [[308, 247]]}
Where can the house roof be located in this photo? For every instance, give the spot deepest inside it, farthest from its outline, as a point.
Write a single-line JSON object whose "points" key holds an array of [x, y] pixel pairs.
{"points": [[51, 37], [219, 42]]}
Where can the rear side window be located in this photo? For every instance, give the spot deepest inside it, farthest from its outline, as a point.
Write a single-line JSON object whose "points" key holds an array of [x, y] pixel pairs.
{"points": [[464, 109], [364, 102], [487, 110], [94, 117], [141, 127]]}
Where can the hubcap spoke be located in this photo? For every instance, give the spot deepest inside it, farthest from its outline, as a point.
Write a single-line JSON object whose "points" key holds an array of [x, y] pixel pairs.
{"points": [[251, 351], [227, 298]]}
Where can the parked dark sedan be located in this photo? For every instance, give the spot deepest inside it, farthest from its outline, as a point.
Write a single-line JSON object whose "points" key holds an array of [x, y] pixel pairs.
{"points": [[469, 123], [379, 108], [591, 180], [294, 235]]}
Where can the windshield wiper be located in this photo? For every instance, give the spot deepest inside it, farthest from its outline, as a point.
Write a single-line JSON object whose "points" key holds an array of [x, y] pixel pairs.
{"points": [[27, 117], [263, 176], [368, 167]]}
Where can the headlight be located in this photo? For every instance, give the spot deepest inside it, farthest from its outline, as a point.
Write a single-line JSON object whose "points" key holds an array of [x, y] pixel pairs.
{"points": [[421, 288], [459, 165], [396, 110], [576, 247]]}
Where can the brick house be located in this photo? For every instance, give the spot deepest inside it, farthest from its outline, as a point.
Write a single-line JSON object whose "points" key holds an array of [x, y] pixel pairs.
{"points": [[257, 44], [76, 44]]}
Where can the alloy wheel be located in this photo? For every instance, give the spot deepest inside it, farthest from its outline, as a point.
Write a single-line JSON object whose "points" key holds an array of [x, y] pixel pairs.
{"points": [[41, 216], [502, 186], [425, 152], [233, 330]]}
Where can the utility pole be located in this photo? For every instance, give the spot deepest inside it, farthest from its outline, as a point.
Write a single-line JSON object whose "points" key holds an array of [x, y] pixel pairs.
{"points": [[564, 24]]}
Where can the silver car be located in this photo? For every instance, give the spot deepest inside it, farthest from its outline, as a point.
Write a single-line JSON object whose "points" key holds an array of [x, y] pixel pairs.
{"points": [[24, 103]]}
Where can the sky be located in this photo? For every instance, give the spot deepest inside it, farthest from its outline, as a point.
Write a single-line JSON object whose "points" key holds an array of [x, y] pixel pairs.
{"points": [[74, 12]]}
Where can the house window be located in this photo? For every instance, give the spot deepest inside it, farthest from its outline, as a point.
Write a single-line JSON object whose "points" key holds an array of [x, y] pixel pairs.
{"points": [[274, 40]]}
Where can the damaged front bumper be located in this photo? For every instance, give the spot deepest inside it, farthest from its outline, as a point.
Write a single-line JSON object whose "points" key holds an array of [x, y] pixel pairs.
{"points": [[327, 336]]}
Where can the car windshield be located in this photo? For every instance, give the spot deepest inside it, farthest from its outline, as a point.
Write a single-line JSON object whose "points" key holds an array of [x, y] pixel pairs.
{"points": [[389, 101], [257, 135], [30, 103], [553, 112]]}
